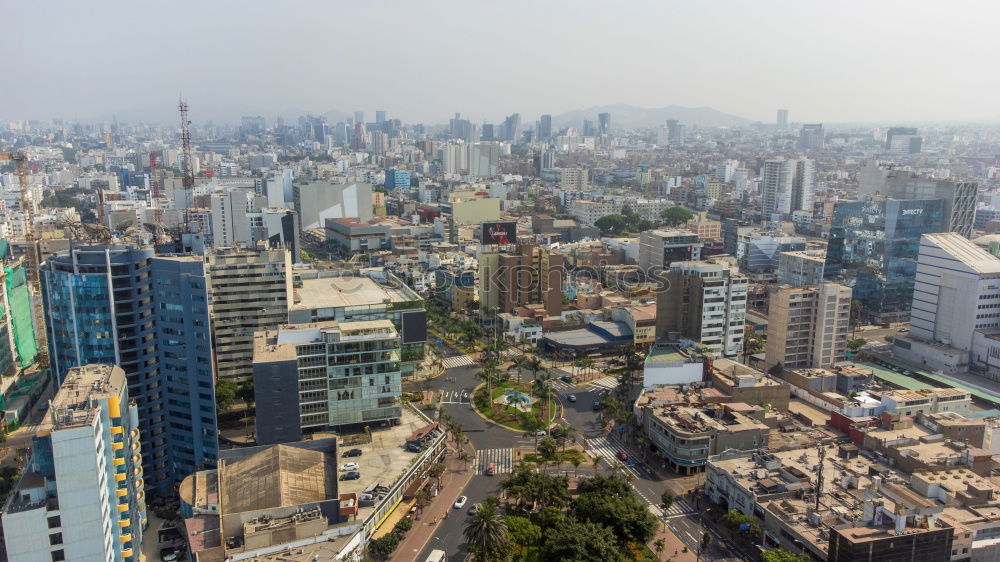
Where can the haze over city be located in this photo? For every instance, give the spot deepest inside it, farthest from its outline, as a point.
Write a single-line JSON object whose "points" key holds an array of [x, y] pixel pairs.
{"points": [[831, 62]]}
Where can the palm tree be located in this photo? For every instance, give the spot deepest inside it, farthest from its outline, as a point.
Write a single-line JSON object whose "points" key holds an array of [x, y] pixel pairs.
{"points": [[575, 460], [486, 531], [587, 363], [548, 451], [436, 471], [597, 461], [532, 424]]}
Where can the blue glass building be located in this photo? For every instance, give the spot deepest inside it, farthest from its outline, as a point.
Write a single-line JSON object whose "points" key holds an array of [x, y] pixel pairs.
{"points": [[874, 245], [397, 179], [121, 305]]}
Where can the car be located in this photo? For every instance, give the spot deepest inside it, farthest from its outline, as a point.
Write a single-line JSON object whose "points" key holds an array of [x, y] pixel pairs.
{"points": [[491, 469], [350, 475], [460, 502], [566, 379], [571, 398], [352, 453], [622, 456], [598, 405], [540, 433], [349, 467]]}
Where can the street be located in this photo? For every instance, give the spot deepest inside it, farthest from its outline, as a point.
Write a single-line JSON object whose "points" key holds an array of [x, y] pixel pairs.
{"points": [[500, 445]]}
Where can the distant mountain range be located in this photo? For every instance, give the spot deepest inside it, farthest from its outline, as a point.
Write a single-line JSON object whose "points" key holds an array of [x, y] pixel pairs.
{"points": [[632, 117]]}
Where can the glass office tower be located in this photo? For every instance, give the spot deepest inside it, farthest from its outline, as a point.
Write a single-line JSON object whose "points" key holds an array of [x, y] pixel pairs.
{"points": [[121, 305], [873, 247]]}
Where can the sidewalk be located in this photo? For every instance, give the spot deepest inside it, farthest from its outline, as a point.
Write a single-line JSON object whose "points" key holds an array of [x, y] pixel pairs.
{"points": [[453, 481], [674, 549]]}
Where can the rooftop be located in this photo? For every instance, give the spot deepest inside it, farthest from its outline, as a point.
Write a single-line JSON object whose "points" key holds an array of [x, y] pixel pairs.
{"points": [[279, 476], [965, 251], [77, 398], [345, 291]]}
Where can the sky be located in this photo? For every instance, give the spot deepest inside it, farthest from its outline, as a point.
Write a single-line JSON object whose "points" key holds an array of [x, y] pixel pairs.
{"points": [[421, 61]]}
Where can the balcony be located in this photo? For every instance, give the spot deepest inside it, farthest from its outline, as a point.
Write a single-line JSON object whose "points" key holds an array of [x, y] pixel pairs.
{"points": [[126, 538], [125, 524], [119, 462], [127, 553], [121, 492], [122, 507], [117, 446], [116, 430], [120, 477]]}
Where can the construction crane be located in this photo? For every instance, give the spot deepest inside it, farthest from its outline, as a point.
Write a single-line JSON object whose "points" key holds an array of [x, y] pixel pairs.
{"points": [[29, 200]]}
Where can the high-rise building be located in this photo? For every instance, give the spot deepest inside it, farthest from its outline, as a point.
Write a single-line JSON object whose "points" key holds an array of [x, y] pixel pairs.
{"points": [[782, 119], [959, 197], [320, 200], [510, 131], [488, 133], [545, 127], [902, 140], [676, 132], [525, 276], [874, 245], [232, 210], [574, 178], [787, 185], [603, 123], [82, 496], [325, 375], [956, 294], [359, 117], [397, 179], [660, 248], [121, 305], [705, 302], [279, 228], [807, 326], [812, 137], [379, 116], [588, 128], [251, 290]]}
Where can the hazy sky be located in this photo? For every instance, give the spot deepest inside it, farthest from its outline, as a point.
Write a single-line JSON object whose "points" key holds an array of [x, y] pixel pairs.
{"points": [[874, 60]]}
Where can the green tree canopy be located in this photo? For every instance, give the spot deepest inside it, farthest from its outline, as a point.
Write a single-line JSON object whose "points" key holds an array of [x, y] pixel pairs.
{"points": [[854, 344], [781, 555], [611, 224], [584, 541], [225, 394], [609, 501], [523, 531], [676, 216]]}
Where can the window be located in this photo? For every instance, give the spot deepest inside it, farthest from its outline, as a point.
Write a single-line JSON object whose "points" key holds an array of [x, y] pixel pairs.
{"points": [[54, 522], [58, 555], [55, 539]]}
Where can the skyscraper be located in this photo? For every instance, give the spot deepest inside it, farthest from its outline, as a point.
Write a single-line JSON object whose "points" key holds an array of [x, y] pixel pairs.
{"points": [[121, 305], [82, 496], [545, 127], [812, 137], [959, 197], [903, 140], [676, 132], [359, 117], [603, 123], [786, 186], [380, 117], [588, 128], [782, 119]]}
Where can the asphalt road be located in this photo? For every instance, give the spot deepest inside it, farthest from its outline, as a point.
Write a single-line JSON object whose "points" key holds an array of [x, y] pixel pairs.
{"points": [[457, 384]]}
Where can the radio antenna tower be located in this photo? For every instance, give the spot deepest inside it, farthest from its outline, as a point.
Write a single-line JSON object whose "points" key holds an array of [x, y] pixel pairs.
{"points": [[188, 182]]}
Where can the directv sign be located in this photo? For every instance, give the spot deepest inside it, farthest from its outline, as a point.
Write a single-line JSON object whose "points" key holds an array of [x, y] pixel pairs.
{"points": [[499, 233]]}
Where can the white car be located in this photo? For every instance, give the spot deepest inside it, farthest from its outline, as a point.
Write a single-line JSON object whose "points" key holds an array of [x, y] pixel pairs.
{"points": [[349, 467], [540, 433], [460, 502]]}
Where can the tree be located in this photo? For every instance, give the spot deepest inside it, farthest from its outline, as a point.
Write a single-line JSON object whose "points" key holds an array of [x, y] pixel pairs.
{"points": [[676, 216], [435, 472], [741, 524], [706, 539], [575, 461], [422, 499], [610, 501], [486, 532], [666, 500], [571, 539], [854, 344], [888, 338], [611, 224], [782, 555], [548, 450], [385, 545], [225, 394], [659, 545], [246, 393], [522, 531]]}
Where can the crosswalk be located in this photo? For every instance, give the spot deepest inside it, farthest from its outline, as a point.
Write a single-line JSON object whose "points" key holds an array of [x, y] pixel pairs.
{"points": [[454, 397], [502, 460], [602, 446], [678, 508], [606, 383], [561, 386], [457, 361]]}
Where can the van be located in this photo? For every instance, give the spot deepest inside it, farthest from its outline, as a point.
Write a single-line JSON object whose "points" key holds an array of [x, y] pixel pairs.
{"points": [[436, 556]]}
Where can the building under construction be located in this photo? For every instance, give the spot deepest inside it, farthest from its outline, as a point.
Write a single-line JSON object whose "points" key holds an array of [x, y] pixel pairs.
{"points": [[19, 384]]}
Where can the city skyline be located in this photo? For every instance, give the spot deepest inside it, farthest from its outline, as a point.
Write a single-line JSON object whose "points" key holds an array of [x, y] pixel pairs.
{"points": [[314, 63]]}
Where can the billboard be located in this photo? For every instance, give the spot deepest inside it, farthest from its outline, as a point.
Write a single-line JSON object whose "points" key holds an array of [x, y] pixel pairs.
{"points": [[498, 232]]}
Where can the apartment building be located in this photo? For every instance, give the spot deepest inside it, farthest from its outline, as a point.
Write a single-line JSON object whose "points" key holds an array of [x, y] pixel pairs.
{"points": [[808, 326], [662, 247], [801, 268], [705, 302], [82, 496]]}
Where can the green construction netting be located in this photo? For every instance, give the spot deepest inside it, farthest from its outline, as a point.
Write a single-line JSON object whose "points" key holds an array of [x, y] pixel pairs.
{"points": [[21, 316]]}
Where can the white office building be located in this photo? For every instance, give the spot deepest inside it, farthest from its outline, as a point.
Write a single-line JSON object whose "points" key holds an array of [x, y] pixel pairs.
{"points": [[956, 293], [787, 185]]}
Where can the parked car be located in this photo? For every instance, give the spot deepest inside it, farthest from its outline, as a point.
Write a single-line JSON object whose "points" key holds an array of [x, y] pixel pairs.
{"points": [[623, 456], [349, 466], [350, 475], [460, 502], [352, 453], [571, 398], [598, 405], [566, 379]]}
